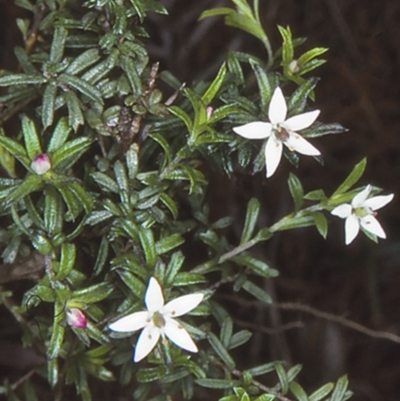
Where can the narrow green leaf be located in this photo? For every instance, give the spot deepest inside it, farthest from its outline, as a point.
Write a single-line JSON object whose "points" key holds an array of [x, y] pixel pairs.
{"points": [[311, 54], [246, 24], [83, 61], [160, 139], [105, 182], [94, 293], [24, 61], [321, 223], [128, 65], [70, 151], [49, 97], [57, 336], [58, 44], [216, 12], [59, 136], [75, 115], [81, 195], [182, 115], [322, 392], [31, 139], [262, 369], [170, 204], [173, 267], [217, 383], [352, 178], [102, 255], [74, 206], [53, 216], [132, 161], [120, 176], [215, 86], [253, 210], [13, 147], [132, 282], [324, 129], [81, 86], [298, 391], [296, 190], [99, 71], [257, 292], [240, 338], [52, 372], [264, 85], [283, 378], [67, 261], [21, 79], [287, 46], [148, 246], [226, 331], [166, 244], [31, 184], [340, 389], [298, 100]]}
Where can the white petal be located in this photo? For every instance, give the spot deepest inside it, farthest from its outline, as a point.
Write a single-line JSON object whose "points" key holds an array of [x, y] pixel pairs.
{"points": [[147, 341], [181, 305], [351, 228], [361, 197], [277, 107], [342, 211], [371, 224], [273, 154], [377, 202], [154, 299], [178, 335], [132, 322], [301, 121], [299, 144], [255, 130]]}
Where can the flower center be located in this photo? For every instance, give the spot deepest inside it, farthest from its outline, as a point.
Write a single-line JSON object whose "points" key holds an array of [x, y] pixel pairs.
{"points": [[282, 134], [158, 320], [362, 211]]}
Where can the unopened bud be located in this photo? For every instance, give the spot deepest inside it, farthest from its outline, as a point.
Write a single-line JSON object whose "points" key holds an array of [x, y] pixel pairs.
{"points": [[294, 66], [209, 111], [76, 318], [41, 164]]}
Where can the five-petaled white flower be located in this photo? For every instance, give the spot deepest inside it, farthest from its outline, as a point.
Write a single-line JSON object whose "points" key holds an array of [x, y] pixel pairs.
{"points": [[361, 212], [159, 320], [280, 132]]}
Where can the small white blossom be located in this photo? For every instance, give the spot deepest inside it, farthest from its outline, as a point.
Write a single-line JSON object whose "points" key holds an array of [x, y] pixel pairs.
{"points": [[280, 132], [361, 212], [158, 320]]}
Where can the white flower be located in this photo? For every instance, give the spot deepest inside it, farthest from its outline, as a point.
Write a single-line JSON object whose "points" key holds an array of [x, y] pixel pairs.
{"points": [[159, 320], [361, 213], [280, 131]]}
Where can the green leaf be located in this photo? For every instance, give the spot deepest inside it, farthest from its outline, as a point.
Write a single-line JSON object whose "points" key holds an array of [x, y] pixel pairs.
{"points": [[73, 204], [352, 178], [102, 255], [21, 79], [59, 136], [311, 54], [322, 392], [99, 71], [298, 391], [81, 195], [105, 182], [81, 86], [264, 86], [132, 282], [148, 246], [226, 331], [240, 338], [58, 44], [149, 375], [173, 267], [293, 221], [215, 86], [53, 216], [92, 294], [170, 204], [340, 389], [160, 139], [49, 97], [57, 336], [52, 372], [13, 147], [132, 161], [324, 129], [259, 267], [283, 378], [298, 100], [316, 195], [128, 65], [246, 24], [257, 292], [182, 115], [262, 369], [83, 61], [70, 151], [287, 46], [321, 224], [296, 190], [31, 139], [122, 179], [67, 261], [217, 383], [31, 184], [166, 244], [216, 12], [253, 209], [75, 115]]}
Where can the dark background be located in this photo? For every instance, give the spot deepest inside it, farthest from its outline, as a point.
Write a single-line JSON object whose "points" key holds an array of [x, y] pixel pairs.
{"points": [[360, 89]]}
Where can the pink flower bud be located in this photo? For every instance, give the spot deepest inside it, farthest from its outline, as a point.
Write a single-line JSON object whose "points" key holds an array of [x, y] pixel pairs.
{"points": [[76, 318], [209, 111], [41, 164]]}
